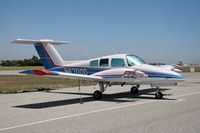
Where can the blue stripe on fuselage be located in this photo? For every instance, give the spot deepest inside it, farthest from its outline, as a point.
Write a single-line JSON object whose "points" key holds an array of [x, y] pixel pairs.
{"points": [[77, 70]]}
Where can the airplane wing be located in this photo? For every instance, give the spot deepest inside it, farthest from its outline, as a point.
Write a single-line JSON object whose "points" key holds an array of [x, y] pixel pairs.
{"points": [[116, 75], [62, 75], [80, 76]]}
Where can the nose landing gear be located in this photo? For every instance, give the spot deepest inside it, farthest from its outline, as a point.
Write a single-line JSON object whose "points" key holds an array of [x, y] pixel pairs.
{"points": [[158, 95]]}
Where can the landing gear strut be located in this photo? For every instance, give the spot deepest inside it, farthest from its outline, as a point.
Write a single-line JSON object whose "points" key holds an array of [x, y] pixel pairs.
{"points": [[158, 94], [98, 93]]}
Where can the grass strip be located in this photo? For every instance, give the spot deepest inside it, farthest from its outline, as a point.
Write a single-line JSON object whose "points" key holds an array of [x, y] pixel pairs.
{"points": [[3, 68], [29, 83]]}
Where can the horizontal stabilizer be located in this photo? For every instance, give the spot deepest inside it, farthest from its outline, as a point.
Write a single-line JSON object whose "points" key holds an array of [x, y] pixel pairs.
{"points": [[27, 72], [43, 41], [49, 56]]}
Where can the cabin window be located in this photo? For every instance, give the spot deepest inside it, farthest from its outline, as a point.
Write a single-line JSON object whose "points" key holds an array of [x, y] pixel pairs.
{"points": [[94, 63], [117, 62], [104, 62]]}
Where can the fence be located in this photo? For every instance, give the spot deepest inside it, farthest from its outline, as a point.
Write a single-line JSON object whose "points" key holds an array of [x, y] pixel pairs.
{"points": [[190, 69]]}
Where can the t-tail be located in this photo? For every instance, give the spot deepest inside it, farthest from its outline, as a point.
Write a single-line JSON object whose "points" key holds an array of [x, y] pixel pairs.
{"points": [[48, 54]]}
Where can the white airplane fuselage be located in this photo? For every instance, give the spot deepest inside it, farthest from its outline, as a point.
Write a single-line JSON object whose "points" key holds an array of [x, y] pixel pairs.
{"points": [[156, 76]]}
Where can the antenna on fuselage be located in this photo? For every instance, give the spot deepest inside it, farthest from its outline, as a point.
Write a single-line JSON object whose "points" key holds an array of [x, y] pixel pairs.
{"points": [[88, 55], [114, 51]]}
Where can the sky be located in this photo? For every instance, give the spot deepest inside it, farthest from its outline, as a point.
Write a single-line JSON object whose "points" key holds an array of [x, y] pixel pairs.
{"points": [[165, 31]]}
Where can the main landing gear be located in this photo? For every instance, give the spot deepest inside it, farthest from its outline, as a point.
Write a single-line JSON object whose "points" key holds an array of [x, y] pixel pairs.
{"points": [[97, 95], [134, 90]]}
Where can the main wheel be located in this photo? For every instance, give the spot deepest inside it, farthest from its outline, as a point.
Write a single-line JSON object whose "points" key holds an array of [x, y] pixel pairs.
{"points": [[97, 95], [158, 95], [134, 90]]}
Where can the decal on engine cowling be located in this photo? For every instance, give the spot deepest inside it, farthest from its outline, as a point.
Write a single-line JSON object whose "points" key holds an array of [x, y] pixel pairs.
{"points": [[129, 74]]}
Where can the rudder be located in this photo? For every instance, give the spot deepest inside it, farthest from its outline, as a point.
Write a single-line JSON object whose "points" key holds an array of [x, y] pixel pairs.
{"points": [[44, 57]]}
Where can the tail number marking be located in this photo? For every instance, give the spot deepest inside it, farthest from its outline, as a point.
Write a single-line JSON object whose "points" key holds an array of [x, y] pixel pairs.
{"points": [[77, 70]]}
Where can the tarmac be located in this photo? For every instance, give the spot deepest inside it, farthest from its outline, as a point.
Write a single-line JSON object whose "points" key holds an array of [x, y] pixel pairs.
{"points": [[118, 111], [11, 72]]}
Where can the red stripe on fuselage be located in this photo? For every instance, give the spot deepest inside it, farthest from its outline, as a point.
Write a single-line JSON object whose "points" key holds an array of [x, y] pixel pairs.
{"points": [[41, 72]]}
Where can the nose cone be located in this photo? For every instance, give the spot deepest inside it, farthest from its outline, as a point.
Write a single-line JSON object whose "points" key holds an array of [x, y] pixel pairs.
{"points": [[157, 72]]}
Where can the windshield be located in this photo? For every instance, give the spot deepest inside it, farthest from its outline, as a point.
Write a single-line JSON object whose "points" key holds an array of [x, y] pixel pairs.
{"points": [[133, 60]]}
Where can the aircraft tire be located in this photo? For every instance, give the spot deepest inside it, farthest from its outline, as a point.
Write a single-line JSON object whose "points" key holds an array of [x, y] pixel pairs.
{"points": [[159, 95], [134, 90], [97, 95]]}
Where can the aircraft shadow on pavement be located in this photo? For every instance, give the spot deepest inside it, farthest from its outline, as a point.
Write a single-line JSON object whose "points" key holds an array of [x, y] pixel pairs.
{"points": [[117, 97]]}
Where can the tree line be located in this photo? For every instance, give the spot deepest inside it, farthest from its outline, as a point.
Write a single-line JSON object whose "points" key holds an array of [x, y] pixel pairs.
{"points": [[34, 61]]}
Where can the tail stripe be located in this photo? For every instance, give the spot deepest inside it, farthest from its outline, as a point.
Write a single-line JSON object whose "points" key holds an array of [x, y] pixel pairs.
{"points": [[49, 56], [44, 56]]}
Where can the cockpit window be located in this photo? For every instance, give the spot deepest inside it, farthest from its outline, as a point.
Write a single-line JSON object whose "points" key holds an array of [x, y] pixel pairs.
{"points": [[117, 62], [133, 60]]}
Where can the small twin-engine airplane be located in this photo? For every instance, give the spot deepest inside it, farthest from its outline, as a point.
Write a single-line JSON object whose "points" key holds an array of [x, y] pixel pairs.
{"points": [[118, 69]]}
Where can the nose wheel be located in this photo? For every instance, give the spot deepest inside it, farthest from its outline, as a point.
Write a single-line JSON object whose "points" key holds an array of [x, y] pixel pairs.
{"points": [[159, 95]]}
